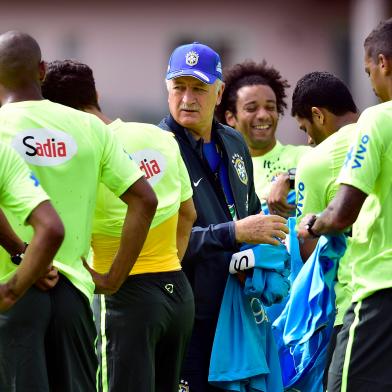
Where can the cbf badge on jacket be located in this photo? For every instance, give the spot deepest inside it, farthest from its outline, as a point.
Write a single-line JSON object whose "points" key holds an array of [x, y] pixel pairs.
{"points": [[239, 166]]}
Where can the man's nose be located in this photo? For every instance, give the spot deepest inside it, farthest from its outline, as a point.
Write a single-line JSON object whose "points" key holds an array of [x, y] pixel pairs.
{"points": [[262, 113], [188, 96]]}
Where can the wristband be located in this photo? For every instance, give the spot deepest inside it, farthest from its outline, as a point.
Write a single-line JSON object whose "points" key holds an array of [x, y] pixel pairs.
{"points": [[309, 226], [17, 259], [291, 173]]}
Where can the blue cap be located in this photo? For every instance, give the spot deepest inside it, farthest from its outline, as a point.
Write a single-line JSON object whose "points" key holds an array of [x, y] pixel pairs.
{"points": [[196, 60]]}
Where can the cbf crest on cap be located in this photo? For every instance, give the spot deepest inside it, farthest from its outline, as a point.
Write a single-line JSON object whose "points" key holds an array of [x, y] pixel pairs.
{"points": [[196, 60]]}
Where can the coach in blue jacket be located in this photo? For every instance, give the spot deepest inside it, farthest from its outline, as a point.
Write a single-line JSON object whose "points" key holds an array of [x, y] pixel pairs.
{"points": [[221, 172]]}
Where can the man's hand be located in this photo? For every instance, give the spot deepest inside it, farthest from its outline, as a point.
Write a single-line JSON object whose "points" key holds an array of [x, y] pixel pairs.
{"points": [[102, 282], [49, 280], [261, 229], [277, 198], [7, 296], [302, 231]]}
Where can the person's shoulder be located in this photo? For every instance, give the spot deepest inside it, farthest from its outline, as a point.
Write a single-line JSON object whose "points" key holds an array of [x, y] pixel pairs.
{"points": [[294, 148], [230, 133], [377, 113], [164, 125]]}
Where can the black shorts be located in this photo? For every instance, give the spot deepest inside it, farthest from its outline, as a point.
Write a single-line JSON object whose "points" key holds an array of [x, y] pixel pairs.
{"points": [[330, 350], [47, 342], [144, 331], [362, 361]]}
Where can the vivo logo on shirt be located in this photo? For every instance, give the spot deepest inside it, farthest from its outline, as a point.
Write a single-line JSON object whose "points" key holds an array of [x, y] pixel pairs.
{"points": [[152, 163], [44, 147]]}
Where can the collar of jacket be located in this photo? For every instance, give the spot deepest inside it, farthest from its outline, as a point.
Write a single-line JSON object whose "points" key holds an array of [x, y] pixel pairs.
{"points": [[182, 132]]}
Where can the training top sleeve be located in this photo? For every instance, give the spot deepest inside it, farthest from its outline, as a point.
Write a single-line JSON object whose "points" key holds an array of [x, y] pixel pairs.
{"points": [[20, 191], [118, 170], [363, 161]]}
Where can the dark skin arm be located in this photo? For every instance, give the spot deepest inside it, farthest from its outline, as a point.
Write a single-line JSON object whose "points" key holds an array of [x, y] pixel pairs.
{"points": [[340, 214], [142, 204], [48, 236], [10, 241], [186, 219]]}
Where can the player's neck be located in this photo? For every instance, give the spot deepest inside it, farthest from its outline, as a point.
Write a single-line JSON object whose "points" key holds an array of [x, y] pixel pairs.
{"points": [[98, 113], [345, 119], [258, 152], [29, 93]]}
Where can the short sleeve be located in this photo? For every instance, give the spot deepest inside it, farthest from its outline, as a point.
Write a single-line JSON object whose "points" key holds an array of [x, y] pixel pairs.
{"points": [[20, 191], [363, 160], [118, 170]]}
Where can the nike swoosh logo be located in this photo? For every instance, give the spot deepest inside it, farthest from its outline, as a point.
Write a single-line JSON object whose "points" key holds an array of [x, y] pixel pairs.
{"points": [[197, 182]]}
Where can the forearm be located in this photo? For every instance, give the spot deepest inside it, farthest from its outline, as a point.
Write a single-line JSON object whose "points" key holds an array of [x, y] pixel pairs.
{"points": [[186, 219], [135, 229], [9, 240], [38, 256], [341, 213], [48, 236]]}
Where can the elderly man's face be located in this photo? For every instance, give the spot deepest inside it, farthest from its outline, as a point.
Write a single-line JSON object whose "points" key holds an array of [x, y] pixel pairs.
{"points": [[192, 103]]}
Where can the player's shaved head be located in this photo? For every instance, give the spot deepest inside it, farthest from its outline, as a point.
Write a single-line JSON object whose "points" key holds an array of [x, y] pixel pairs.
{"points": [[20, 56]]}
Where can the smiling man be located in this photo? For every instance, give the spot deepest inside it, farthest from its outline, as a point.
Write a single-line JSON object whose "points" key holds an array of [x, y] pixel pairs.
{"points": [[220, 168], [252, 102]]}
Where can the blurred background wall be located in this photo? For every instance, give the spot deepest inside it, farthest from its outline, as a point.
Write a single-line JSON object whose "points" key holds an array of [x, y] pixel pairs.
{"points": [[128, 43]]}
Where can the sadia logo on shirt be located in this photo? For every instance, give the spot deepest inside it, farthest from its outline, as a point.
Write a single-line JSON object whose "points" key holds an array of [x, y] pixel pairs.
{"points": [[45, 147], [152, 163]]}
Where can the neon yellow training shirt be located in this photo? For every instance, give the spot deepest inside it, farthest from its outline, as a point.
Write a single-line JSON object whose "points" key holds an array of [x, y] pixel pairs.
{"points": [[368, 167], [70, 152], [280, 159], [157, 154], [316, 186]]}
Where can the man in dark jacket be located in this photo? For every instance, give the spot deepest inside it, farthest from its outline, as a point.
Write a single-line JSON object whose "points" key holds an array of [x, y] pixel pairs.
{"points": [[220, 169]]}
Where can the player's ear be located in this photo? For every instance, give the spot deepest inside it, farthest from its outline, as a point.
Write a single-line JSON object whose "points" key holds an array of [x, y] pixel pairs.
{"points": [[230, 118], [385, 64], [317, 115], [42, 70]]}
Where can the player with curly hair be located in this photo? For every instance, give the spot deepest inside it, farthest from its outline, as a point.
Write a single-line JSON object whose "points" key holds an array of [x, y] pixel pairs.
{"points": [[252, 101]]}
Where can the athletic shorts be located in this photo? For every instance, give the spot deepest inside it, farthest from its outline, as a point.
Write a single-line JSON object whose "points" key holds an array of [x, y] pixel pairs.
{"points": [[144, 331], [362, 361], [47, 342], [330, 350]]}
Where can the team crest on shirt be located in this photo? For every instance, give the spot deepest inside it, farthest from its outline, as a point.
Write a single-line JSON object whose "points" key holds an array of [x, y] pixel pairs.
{"points": [[239, 166], [192, 58]]}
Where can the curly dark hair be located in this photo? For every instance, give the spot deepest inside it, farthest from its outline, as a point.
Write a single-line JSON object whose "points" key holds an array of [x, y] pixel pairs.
{"points": [[70, 83], [321, 89], [379, 41], [250, 73]]}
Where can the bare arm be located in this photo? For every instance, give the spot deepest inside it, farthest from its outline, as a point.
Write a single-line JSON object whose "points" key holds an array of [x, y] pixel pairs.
{"points": [[48, 236], [142, 204], [186, 219], [9, 240], [340, 214], [277, 198]]}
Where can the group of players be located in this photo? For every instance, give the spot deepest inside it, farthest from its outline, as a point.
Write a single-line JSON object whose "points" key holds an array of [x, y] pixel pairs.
{"points": [[147, 217]]}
